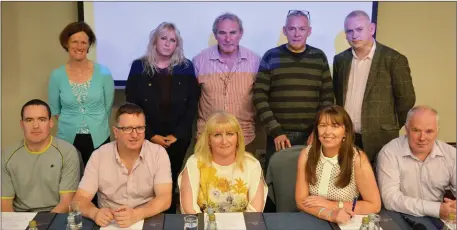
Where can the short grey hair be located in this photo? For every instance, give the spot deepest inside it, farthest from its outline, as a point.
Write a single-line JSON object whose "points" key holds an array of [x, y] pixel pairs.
{"points": [[229, 16], [298, 13], [358, 13], [418, 108]]}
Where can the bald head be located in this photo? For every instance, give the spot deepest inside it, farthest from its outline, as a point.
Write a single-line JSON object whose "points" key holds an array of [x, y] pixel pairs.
{"points": [[358, 13]]}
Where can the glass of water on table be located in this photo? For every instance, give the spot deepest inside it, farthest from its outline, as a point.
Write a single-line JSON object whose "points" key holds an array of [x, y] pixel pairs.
{"points": [[74, 216], [190, 222]]}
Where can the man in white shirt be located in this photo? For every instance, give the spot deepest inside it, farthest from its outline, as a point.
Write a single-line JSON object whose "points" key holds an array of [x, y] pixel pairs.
{"points": [[415, 170]]}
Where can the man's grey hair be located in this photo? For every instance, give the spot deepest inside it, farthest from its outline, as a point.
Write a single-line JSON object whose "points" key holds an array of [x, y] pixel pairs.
{"points": [[358, 13], [417, 108], [229, 16], [298, 13]]}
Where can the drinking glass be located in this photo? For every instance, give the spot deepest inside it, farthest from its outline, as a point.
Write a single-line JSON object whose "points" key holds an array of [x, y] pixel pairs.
{"points": [[190, 222]]}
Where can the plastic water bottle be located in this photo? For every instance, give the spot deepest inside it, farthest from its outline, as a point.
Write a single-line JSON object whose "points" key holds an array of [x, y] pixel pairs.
{"points": [[212, 224], [73, 223], [365, 224], [374, 222], [76, 215]]}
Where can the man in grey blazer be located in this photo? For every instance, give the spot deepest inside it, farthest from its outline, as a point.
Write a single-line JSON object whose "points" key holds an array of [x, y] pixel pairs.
{"points": [[373, 83]]}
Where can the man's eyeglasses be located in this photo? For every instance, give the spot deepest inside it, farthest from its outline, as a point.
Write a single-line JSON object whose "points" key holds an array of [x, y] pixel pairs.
{"points": [[129, 130], [299, 13]]}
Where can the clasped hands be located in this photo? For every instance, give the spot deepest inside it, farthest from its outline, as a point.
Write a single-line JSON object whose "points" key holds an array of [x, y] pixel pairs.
{"points": [[163, 141], [447, 207], [337, 215], [124, 216]]}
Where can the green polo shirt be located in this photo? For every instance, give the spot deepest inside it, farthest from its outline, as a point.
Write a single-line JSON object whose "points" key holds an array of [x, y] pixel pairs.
{"points": [[35, 180]]}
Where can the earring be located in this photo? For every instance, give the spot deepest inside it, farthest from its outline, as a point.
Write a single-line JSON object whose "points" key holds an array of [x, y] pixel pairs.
{"points": [[344, 139]]}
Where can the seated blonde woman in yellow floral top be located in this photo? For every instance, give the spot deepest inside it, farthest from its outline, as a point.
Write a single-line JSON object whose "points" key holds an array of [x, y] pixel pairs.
{"points": [[221, 174]]}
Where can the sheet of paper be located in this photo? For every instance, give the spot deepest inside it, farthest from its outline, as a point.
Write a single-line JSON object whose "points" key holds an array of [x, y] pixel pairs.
{"points": [[353, 224], [16, 220], [229, 221], [137, 226]]}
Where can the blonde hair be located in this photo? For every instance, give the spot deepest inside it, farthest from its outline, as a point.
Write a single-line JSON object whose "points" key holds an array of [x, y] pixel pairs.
{"points": [[150, 58], [220, 121]]}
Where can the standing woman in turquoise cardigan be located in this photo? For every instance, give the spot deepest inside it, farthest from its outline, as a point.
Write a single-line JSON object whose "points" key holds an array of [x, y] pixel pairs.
{"points": [[81, 93]]}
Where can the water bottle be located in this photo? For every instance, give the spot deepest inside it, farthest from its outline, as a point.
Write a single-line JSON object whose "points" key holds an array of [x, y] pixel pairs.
{"points": [[365, 224], [211, 225], [72, 224], [33, 225], [75, 215], [374, 222]]}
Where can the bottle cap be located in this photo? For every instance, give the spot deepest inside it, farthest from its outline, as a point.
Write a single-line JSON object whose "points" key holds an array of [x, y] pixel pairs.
{"points": [[365, 220], [32, 224], [210, 211]]}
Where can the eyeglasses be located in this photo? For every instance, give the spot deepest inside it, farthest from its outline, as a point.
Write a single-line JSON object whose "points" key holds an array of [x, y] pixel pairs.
{"points": [[129, 130], [299, 13]]}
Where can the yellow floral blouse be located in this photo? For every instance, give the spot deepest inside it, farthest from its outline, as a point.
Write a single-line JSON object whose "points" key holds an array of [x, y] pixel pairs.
{"points": [[224, 188]]}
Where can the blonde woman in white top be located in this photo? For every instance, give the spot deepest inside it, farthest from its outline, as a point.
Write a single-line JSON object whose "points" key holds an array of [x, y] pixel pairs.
{"points": [[220, 174], [332, 171]]}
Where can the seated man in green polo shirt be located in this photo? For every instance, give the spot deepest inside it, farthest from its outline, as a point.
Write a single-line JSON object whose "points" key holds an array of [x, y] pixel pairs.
{"points": [[40, 172]]}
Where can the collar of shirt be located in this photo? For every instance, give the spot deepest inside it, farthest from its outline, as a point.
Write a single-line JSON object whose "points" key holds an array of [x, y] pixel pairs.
{"points": [[435, 150], [370, 54], [118, 158], [215, 55], [333, 160]]}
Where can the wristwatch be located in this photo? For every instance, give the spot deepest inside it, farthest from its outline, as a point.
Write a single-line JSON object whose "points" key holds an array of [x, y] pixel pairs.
{"points": [[340, 204]]}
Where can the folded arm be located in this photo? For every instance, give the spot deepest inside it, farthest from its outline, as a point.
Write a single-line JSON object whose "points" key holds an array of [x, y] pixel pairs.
{"points": [[65, 200], [302, 191], [367, 186], [159, 203], [87, 208]]}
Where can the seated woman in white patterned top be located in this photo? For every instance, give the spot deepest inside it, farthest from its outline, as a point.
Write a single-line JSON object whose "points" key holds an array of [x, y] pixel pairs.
{"points": [[332, 171], [220, 174]]}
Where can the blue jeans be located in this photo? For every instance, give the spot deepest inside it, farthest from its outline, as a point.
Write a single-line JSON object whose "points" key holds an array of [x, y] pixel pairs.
{"points": [[295, 138]]}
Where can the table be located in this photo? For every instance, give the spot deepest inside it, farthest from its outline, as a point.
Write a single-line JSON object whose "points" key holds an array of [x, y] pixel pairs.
{"points": [[253, 221]]}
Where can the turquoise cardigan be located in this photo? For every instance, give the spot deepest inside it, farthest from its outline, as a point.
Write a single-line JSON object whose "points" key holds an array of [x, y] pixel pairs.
{"points": [[98, 106]]}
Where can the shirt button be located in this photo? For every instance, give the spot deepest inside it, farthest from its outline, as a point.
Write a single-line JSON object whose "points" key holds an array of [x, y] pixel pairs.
{"points": [[150, 84], [145, 99]]}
